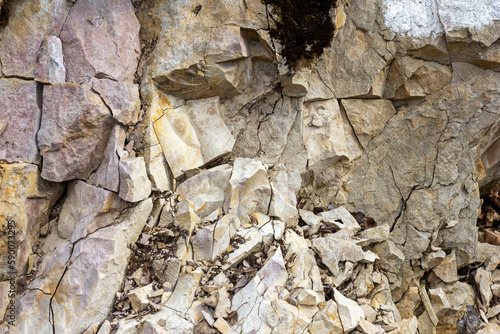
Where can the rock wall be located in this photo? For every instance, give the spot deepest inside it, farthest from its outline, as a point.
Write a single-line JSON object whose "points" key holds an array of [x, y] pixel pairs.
{"points": [[249, 166]]}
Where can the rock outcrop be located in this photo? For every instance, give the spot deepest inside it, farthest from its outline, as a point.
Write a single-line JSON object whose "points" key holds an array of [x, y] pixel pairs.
{"points": [[258, 166]]}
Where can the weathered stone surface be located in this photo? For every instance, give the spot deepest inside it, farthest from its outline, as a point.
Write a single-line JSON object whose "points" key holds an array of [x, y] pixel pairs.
{"points": [[101, 38], [25, 201], [248, 191], [139, 297], [207, 189], [50, 66], [107, 176], [122, 98], [85, 294], [21, 117], [333, 250], [375, 234], [368, 117], [86, 209], [324, 136], [483, 281], [284, 187], [29, 23], [341, 218], [349, 312], [183, 294], [190, 135], [447, 269], [156, 165], [491, 164], [414, 185], [134, 183], [327, 320], [73, 133]]}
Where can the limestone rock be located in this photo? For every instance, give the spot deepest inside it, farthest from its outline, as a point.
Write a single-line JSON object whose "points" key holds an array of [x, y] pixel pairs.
{"points": [[191, 135], [183, 294], [483, 281], [134, 183], [86, 292], [447, 269], [327, 320], [341, 218], [156, 165], [86, 209], [248, 191], [29, 24], [207, 189], [409, 303], [376, 234], [349, 312], [390, 256], [323, 132], [21, 117], [122, 98], [50, 66], [70, 113], [25, 202], [334, 250], [107, 175], [284, 186], [139, 297], [439, 301], [432, 259], [101, 38], [368, 117]]}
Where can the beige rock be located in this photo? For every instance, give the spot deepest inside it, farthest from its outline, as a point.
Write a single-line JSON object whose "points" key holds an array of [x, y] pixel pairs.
{"points": [[375, 234], [207, 190], [370, 313], [184, 292], [134, 183], [333, 250], [223, 304], [248, 191], [483, 281], [341, 218], [253, 242], [139, 297], [368, 117], [86, 292], [323, 132], [432, 259], [190, 135], [425, 324], [156, 165], [428, 306], [25, 203], [327, 320], [309, 297], [495, 289], [349, 312], [25, 33], [284, 186], [409, 303], [86, 209], [369, 328], [390, 256], [447, 269], [107, 176], [439, 301]]}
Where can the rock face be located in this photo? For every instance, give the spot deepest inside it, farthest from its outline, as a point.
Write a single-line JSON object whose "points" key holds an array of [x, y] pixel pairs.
{"points": [[178, 166], [73, 133]]}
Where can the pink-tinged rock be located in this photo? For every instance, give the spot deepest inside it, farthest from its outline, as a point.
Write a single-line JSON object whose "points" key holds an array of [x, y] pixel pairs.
{"points": [[101, 38], [73, 134], [50, 66], [134, 183], [122, 98], [29, 23], [107, 176], [19, 119], [86, 290]]}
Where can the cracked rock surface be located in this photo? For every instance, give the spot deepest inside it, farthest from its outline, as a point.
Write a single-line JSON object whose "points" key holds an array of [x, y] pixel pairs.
{"points": [[164, 168]]}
